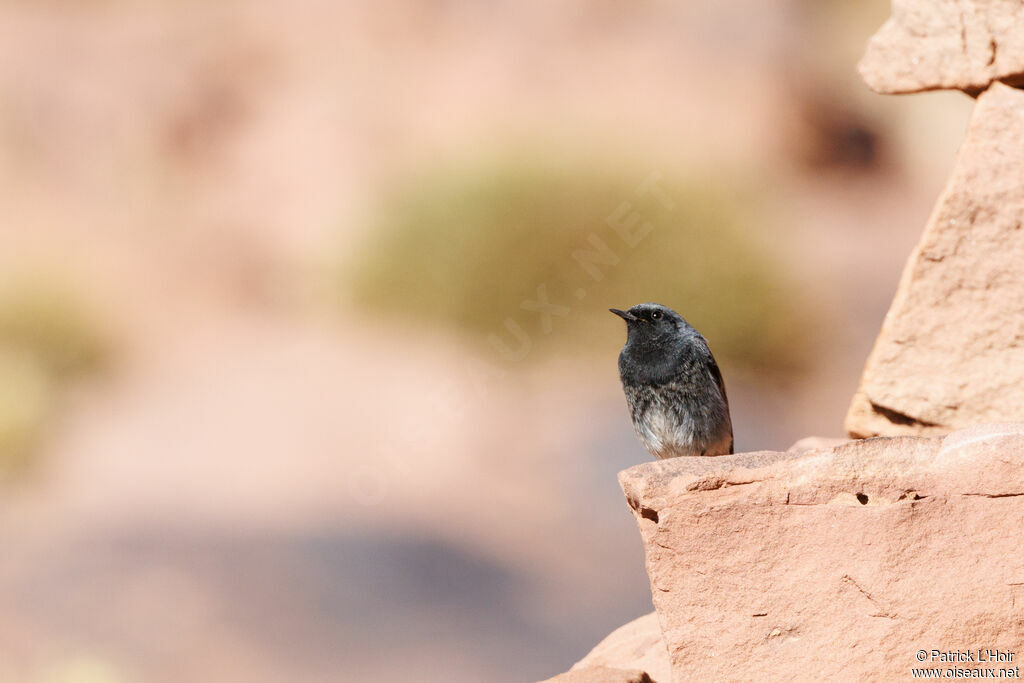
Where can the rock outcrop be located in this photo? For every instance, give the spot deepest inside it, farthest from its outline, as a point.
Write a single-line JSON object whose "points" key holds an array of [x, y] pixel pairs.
{"points": [[636, 646], [951, 350], [839, 563], [933, 44]]}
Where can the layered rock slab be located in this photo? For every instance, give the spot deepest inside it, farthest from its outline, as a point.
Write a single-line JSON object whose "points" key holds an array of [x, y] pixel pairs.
{"points": [[933, 44], [951, 349], [839, 563]]}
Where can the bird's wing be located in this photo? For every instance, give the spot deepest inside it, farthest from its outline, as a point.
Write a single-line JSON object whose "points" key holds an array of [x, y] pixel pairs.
{"points": [[716, 374]]}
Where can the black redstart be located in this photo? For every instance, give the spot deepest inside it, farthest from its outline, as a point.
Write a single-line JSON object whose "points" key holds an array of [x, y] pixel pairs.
{"points": [[673, 386]]}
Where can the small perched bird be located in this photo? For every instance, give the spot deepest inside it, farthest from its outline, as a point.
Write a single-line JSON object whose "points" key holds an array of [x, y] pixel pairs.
{"points": [[673, 386]]}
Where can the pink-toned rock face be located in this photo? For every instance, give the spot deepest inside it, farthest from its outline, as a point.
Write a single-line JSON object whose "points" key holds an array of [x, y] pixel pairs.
{"points": [[933, 44], [637, 645], [837, 564], [951, 350]]}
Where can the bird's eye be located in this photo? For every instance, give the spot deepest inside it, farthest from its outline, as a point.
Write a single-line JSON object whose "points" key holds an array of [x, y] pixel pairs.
{"points": [[656, 315]]}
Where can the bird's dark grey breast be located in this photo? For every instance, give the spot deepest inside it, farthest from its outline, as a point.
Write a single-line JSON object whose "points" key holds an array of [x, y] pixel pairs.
{"points": [[676, 398]]}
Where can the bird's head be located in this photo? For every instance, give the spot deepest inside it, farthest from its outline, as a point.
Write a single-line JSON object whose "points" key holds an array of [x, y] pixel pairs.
{"points": [[651, 322]]}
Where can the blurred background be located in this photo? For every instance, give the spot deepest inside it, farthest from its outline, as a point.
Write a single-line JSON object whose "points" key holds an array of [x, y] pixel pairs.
{"points": [[306, 369]]}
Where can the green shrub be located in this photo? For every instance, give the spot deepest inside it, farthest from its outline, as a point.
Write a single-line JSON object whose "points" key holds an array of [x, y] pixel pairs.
{"points": [[48, 322], [26, 401], [46, 341], [466, 247]]}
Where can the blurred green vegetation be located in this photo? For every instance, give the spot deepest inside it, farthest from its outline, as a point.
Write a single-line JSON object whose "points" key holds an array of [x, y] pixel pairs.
{"points": [[466, 246], [46, 341]]}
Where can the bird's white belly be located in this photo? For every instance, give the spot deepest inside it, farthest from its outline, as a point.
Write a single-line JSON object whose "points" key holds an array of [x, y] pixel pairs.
{"points": [[666, 433]]}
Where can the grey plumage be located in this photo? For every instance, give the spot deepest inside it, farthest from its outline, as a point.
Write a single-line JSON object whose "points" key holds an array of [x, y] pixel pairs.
{"points": [[673, 386]]}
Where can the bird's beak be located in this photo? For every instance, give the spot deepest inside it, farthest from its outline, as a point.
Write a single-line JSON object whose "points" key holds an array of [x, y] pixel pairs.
{"points": [[625, 315]]}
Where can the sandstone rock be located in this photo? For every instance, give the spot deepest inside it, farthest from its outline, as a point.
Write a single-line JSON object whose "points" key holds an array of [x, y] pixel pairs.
{"points": [[836, 564], [637, 645], [932, 44], [600, 674], [951, 350], [816, 443]]}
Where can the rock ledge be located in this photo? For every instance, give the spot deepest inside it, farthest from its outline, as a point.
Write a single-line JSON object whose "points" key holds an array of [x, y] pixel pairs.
{"points": [[841, 562]]}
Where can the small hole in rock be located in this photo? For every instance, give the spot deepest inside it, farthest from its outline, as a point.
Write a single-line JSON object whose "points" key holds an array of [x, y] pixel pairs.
{"points": [[862, 499], [649, 513]]}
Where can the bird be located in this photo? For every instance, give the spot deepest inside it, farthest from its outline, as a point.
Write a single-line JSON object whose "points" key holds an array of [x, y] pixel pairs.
{"points": [[674, 389]]}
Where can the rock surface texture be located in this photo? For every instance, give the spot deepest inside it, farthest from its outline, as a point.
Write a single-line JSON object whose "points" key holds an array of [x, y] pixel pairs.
{"points": [[934, 44], [638, 646], [951, 350], [836, 564]]}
